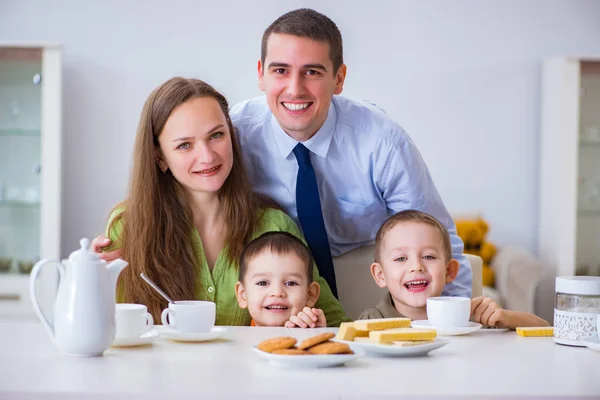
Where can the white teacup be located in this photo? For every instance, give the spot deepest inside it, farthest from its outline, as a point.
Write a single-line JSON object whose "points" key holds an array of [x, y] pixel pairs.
{"points": [[133, 320], [448, 312], [190, 316]]}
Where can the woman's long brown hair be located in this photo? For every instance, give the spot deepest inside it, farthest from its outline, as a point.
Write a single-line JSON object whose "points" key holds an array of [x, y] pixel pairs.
{"points": [[157, 219]]}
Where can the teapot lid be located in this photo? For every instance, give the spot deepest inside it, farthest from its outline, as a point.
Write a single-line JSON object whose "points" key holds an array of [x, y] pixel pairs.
{"points": [[84, 255]]}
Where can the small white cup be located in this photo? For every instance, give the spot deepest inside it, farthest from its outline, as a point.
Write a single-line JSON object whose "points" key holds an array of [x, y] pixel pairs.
{"points": [[448, 312], [190, 316], [133, 320]]}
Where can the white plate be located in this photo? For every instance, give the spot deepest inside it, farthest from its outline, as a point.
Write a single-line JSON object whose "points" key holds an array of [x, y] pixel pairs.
{"points": [[310, 361], [397, 351], [461, 330], [146, 338], [592, 342], [172, 334]]}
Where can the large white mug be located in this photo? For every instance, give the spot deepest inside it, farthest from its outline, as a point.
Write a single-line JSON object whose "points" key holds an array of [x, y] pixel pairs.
{"points": [[448, 312], [133, 320], [190, 316]]}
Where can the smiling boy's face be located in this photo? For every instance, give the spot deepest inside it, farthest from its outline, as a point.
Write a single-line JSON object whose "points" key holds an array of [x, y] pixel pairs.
{"points": [[275, 287], [412, 265]]}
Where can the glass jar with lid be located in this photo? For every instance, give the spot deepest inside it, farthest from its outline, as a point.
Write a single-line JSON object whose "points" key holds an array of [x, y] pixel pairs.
{"points": [[576, 308]]}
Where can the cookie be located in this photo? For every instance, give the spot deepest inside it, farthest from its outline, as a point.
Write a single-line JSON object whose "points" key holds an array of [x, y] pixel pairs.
{"points": [[291, 352], [312, 341], [330, 348], [276, 343]]}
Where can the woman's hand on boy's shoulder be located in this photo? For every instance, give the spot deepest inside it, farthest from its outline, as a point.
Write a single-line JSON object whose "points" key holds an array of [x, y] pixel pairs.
{"points": [[98, 246], [308, 318], [488, 313]]}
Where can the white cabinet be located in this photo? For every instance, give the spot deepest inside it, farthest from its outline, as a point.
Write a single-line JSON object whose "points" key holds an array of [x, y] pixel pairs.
{"points": [[569, 193], [30, 171]]}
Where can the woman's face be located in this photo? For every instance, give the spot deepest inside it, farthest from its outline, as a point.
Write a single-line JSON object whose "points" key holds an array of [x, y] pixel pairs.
{"points": [[196, 146]]}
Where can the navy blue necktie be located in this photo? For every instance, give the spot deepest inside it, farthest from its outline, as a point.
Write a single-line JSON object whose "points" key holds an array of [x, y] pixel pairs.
{"points": [[310, 215]]}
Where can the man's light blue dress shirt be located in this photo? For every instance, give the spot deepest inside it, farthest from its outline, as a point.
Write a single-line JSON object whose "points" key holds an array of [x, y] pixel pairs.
{"points": [[367, 169]]}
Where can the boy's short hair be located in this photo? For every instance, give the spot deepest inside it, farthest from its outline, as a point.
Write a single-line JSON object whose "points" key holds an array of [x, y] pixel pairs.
{"points": [[311, 24], [412, 216], [280, 243]]}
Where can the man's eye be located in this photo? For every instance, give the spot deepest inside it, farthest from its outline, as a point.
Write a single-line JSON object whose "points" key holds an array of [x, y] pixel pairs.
{"points": [[262, 283], [313, 72], [184, 146], [279, 71], [216, 135]]}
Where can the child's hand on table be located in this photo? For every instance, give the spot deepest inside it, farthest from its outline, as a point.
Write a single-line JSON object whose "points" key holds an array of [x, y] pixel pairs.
{"points": [[308, 318]]}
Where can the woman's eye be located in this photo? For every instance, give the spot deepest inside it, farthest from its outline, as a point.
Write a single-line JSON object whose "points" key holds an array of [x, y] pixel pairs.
{"points": [[216, 135], [184, 146]]}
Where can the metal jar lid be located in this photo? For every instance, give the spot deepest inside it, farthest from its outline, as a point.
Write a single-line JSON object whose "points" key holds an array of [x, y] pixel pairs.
{"points": [[583, 285]]}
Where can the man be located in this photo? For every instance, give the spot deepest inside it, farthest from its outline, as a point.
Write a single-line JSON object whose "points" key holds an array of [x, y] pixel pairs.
{"points": [[338, 167], [366, 166]]}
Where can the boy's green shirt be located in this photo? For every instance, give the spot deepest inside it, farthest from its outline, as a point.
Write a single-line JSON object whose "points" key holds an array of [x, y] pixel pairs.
{"points": [[219, 285]]}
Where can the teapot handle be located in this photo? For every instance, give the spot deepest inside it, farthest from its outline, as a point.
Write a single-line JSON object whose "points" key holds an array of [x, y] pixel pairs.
{"points": [[32, 280]]}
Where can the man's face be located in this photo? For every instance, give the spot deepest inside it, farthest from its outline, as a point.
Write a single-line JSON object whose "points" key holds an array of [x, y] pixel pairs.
{"points": [[299, 81]]}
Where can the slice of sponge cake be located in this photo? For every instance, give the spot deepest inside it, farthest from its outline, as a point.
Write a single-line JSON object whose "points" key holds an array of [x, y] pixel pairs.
{"points": [[391, 335], [381, 323]]}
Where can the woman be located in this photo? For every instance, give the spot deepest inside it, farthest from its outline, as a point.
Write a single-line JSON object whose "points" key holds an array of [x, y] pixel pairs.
{"points": [[190, 209]]}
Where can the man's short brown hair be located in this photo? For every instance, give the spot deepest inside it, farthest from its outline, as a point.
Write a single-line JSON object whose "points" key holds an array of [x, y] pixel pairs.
{"points": [[280, 243], [307, 23], [412, 216]]}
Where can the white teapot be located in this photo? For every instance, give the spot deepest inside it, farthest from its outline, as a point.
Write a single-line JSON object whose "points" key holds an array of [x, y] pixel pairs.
{"points": [[84, 310]]}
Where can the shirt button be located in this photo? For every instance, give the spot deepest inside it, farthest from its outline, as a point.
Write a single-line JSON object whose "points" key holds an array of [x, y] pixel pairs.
{"points": [[211, 289]]}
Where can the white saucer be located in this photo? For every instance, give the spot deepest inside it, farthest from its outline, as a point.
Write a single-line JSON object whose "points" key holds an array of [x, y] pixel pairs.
{"points": [[310, 361], [146, 338], [172, 334], [461, 330], [592, 342], [396, 351]]}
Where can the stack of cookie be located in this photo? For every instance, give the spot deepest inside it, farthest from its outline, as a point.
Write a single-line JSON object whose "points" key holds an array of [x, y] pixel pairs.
{"points": [[319, 344], [390, 331]]}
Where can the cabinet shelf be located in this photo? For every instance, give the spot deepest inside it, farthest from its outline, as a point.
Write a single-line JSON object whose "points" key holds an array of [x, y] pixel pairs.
{"points": [[588, 213], [589, 144], [20, 132], [19, 204]]}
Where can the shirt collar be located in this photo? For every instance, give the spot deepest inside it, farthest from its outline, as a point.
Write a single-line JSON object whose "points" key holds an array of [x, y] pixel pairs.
{"points": [[386, 307], [318, 144]]}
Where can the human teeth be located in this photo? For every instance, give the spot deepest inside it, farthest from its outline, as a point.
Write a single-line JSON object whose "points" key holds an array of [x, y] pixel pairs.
{"points": [[295, 107], [417, 283], [206, 171], [278, 307]]}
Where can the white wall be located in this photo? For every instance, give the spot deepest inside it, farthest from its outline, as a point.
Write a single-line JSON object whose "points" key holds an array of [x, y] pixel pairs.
{"points": [[463, 78]]}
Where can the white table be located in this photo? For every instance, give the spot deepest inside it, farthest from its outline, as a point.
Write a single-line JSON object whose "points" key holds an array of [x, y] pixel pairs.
{"points": [[483, 363]]}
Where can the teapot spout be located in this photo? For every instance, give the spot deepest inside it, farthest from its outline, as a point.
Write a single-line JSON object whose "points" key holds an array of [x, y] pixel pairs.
{"points": [[114, 269]]}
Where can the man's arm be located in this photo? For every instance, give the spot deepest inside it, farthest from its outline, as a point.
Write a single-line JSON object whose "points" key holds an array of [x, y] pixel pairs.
{"points": [[406, 184]]}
